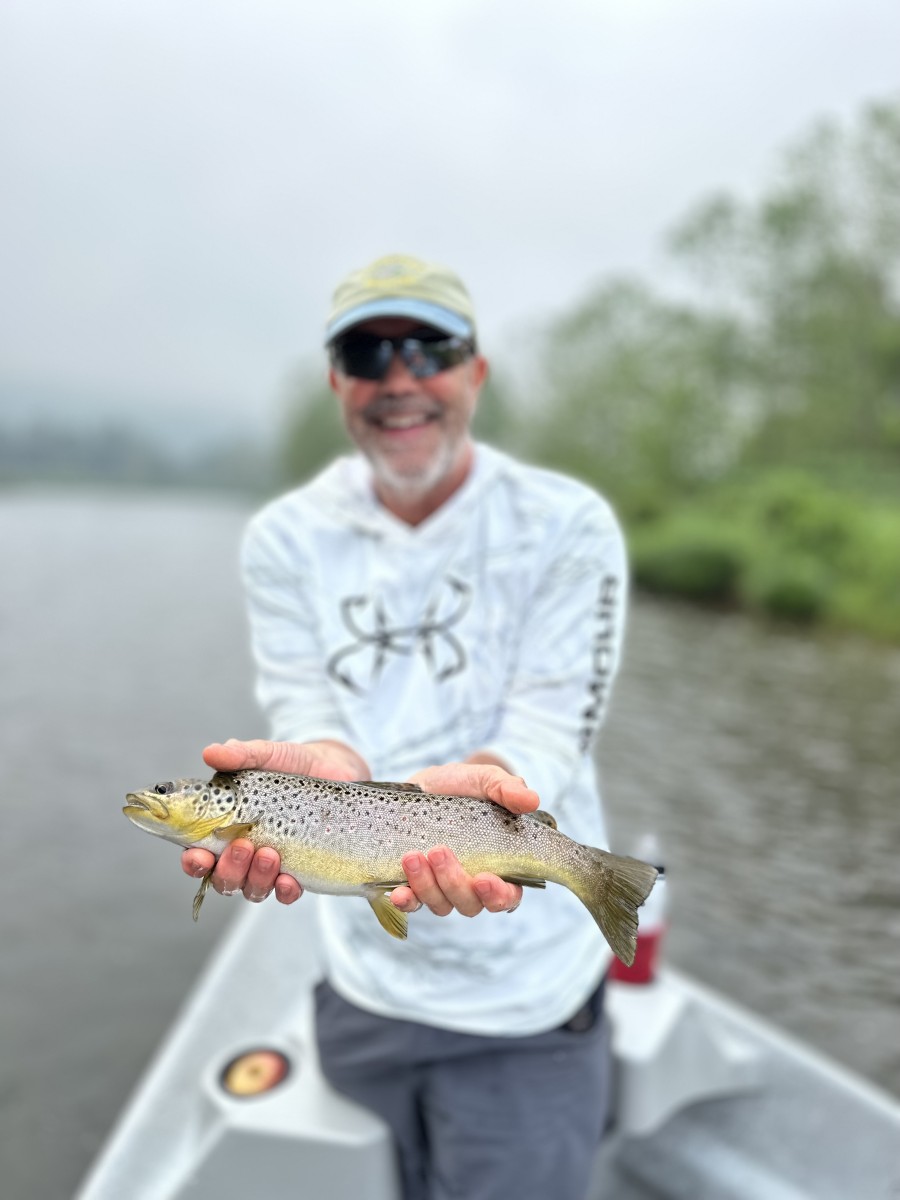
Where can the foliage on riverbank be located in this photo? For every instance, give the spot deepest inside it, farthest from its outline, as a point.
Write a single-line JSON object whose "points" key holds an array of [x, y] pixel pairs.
{"points": [[749, 433], [785, 545]]}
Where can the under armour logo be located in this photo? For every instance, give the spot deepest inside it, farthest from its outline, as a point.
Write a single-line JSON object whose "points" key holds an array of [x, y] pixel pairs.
{"points": [[359, 665]]}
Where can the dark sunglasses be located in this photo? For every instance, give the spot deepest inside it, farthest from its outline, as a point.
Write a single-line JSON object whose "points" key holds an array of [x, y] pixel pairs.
{"points": [[369, 355]]}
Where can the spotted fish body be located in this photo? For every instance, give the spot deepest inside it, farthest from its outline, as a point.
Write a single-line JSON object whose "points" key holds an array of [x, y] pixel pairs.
{"points": [[349, 838]]}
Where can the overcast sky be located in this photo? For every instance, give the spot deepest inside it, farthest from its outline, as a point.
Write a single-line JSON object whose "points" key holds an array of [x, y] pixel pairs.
{"points": [[184, 181]]}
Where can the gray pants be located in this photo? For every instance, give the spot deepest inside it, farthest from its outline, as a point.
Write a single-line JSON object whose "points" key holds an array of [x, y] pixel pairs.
{"points": [[476, 1118]]}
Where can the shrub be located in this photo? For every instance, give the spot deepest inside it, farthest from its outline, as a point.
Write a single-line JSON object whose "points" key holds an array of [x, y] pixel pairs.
{"points": [[689, 558], [786, 545], [787, 587], [803, 515], [868, 596]]}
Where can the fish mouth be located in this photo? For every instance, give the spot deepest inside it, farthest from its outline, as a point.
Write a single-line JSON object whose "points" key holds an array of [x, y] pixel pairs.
{"points": [[141, 804]]}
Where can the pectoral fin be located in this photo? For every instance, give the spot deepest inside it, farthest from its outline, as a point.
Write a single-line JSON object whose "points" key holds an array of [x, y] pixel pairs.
{"points": [[201, 891], [230, 833], [390, 918]]}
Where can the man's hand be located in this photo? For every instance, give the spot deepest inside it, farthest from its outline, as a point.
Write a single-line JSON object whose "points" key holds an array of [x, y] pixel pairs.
{"points": [[324, 760], [238, 868], [437, 879], [478, 777]]}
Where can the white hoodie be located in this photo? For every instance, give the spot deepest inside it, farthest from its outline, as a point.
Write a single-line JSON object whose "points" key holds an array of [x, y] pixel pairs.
{"points": [[495, 625]]}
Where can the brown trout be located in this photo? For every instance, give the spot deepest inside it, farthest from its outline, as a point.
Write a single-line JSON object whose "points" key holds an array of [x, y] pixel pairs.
{"points": [[347, 839]]}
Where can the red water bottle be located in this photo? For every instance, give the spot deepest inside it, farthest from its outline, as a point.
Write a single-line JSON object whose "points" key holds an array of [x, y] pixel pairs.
{"points": [[652, 923]]}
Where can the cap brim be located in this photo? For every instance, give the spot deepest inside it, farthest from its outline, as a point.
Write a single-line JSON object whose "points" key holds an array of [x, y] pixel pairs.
{"points": [[401, 306]]}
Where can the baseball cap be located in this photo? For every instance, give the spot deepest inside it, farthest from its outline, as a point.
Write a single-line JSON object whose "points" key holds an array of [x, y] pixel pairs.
{"points": [[401, 286]]}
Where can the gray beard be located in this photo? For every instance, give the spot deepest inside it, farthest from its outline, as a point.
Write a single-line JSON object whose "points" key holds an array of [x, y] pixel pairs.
{"points": [[418, 483]]}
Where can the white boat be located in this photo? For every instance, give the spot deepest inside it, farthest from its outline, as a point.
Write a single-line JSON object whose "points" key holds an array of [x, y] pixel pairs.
{"points": [[710, 1102]]}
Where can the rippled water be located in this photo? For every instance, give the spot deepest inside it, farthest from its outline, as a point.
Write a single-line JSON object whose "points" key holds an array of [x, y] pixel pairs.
{"points": [[768, 763]]}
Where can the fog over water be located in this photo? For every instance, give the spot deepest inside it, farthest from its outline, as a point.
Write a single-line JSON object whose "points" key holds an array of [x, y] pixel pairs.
{"points": [[183, 185], [767, 761]]}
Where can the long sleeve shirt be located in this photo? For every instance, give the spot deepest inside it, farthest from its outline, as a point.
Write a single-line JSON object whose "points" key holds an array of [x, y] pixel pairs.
{"points": [[495, 625]]}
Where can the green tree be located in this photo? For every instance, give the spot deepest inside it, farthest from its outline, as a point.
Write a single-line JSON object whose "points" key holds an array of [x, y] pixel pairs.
{"points": [[498, 419], [312, 431], [643, 395], [811, 271]]}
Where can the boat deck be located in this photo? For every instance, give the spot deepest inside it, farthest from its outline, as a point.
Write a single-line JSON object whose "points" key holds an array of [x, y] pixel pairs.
{"points": [[711, 1104]]}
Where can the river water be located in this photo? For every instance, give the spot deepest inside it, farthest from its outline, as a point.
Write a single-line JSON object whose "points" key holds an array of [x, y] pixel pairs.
{"points": [[768, 763]]}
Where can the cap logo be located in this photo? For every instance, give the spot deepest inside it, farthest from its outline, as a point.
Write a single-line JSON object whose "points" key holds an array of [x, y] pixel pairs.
{"points": [[392, 272]]}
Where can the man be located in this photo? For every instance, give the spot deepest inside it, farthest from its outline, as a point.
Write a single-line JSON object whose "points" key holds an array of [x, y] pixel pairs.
{"points": [[434, 610]]}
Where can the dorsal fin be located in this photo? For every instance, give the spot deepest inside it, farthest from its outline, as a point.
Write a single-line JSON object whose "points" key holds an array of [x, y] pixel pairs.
{"points": [[393, 787], [545, 818]]}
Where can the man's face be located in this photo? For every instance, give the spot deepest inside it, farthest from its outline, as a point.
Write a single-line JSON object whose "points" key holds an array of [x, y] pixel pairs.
{"points": [[415, 432]]}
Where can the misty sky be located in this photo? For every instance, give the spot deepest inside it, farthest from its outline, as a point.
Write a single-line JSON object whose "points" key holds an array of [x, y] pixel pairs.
{"points": [[183, 183]]}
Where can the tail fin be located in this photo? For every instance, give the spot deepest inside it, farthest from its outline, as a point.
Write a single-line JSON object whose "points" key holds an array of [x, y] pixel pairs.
{"points": [[618, 888]]}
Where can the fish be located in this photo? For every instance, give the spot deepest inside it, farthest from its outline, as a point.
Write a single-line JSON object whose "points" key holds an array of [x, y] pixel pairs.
{"points": [[348, 839]]}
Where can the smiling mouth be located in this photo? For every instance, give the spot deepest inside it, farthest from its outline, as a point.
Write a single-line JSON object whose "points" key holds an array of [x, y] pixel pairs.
{"points": [[396, 425], [400, 421], [404, 422]]}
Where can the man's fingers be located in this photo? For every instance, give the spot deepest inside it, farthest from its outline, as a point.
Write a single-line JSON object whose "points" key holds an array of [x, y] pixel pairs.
{"points": [[262, 874], [330, 760], [510, 790], [197, 862], [482, 780], [504, 788], [424, 885], [405, 899], [453, 881], [439, 881], [233, 755], [231, 870], [287, 889], [239, 869], [496, 894]]}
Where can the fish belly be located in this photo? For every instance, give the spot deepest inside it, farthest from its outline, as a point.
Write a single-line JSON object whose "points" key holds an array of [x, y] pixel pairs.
{"points": [[330, 872]]}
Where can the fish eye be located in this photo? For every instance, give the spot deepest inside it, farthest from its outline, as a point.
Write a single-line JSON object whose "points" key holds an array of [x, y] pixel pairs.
{"points": [[164, 789]]}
